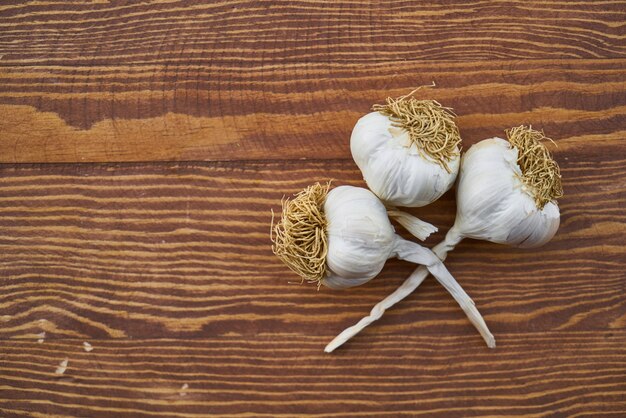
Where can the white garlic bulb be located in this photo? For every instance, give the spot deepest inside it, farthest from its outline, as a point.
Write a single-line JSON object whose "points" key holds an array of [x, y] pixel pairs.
{"points": [[495, 204], [394, 168], [506, 194], [341, 238], [408, 151]]}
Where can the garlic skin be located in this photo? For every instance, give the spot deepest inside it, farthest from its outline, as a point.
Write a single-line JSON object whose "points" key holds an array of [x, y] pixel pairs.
{"points": [[360, 236], [393, 168], [493, 203]]}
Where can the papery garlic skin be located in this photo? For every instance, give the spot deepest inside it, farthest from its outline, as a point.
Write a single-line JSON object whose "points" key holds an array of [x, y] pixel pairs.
{"points": [[360, 236], [494, 204], [392, 166]]}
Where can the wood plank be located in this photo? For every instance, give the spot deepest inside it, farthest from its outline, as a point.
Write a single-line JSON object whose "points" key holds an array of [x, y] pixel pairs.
{"points": [[165, 266], [182, 250], [564, 373], [259, 32], [181, 112]]}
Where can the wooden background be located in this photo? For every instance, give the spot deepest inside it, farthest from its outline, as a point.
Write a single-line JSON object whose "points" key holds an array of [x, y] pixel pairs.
{"points": [[144, 143]]}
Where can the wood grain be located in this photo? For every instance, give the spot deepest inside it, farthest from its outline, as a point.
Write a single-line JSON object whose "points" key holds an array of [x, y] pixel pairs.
{"points": [[183, 250], [261, 32], [170, 80], [143, 145], [573, 374], [147, 113]]}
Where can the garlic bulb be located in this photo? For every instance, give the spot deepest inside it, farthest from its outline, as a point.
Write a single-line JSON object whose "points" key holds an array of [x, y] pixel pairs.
{"points": [[360, 237], [506, 194], [496, 203], [408, 151], [342, 238], [394, 166]]}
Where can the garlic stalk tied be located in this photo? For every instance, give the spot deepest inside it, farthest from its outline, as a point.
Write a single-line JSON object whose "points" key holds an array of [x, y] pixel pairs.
{"points": [[408, 151], [506, 194], [342, 238]]}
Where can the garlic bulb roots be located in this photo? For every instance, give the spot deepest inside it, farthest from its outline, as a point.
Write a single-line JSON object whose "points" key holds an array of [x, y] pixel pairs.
{"points": [[539, 170], [299, 238], [431, 126]]}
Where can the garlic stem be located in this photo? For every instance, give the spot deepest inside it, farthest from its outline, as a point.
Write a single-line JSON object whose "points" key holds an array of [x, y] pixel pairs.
{"points": [[444, 277], [377, 312], [410, 251], [415, 253], [418, 228]]}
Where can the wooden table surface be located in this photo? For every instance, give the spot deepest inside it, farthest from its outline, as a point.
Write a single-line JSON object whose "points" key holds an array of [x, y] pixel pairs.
{"points": [[143, 145]]}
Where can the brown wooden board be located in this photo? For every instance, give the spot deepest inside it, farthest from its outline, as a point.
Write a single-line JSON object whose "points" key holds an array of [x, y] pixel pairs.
{"points": [[204, 112], [255, 33], [125, 256], [556, 373], [143, 145]]}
